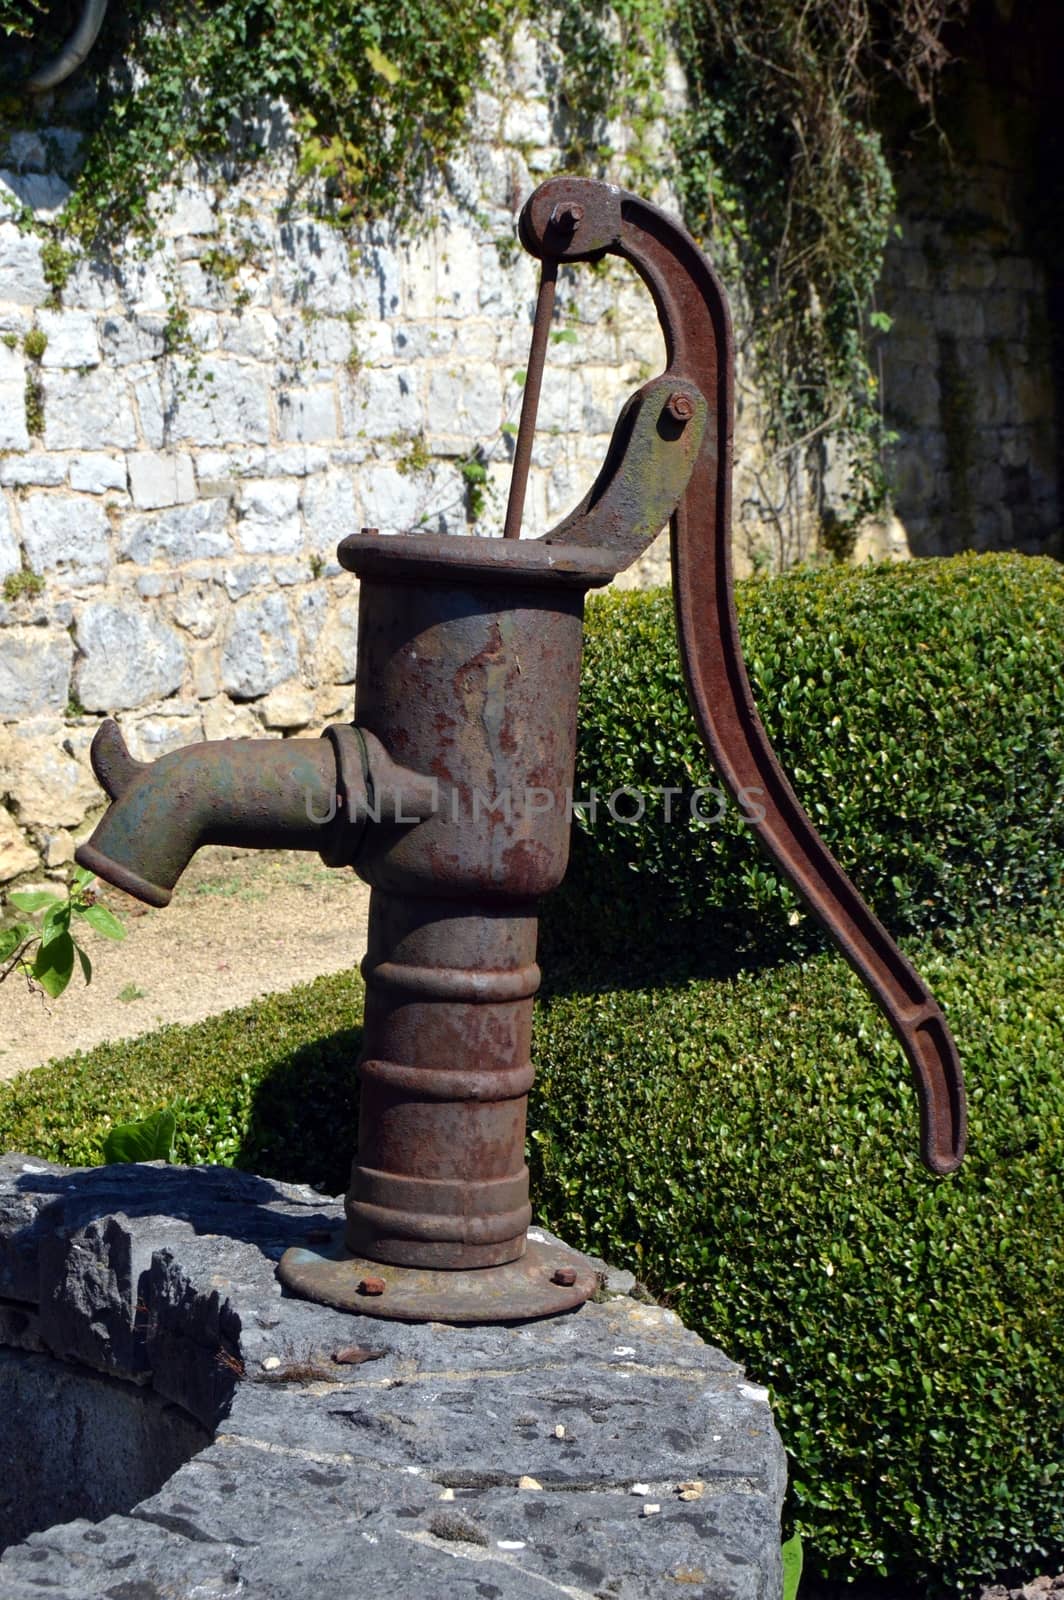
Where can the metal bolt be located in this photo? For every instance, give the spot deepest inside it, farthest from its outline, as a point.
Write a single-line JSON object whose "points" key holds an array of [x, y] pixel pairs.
{"points": [[370, 530], [371, 1286], [681, 407], [566, 1276], [567, 216]]}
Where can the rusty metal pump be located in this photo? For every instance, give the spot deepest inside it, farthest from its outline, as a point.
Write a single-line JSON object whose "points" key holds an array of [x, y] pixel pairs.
{"points": [[449, 796]]}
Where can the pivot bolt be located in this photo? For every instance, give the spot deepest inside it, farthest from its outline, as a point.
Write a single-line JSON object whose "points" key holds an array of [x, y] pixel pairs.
{"points": [[566, 1276], [371, 1286], [681, 407], [567, 216]]}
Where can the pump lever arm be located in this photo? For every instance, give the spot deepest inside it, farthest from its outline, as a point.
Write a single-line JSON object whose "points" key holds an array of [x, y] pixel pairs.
{"points": [[694, 317]]}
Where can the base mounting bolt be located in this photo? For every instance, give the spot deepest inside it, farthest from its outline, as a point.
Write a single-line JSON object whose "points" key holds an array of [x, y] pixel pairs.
{"points": [[371, 1286], [565, 1276]]}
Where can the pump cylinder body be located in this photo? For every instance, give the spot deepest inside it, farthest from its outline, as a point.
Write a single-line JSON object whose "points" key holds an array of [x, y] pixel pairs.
{"points": [[471, 680]]}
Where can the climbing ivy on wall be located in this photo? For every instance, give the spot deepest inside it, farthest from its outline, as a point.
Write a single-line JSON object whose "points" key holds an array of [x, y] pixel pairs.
{"points": [[776, 156]]}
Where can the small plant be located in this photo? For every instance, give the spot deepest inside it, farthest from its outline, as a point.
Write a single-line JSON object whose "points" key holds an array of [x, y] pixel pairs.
{"points": [[22, 585], [791, 1554], [34, 403], [474, 474], [149, 1139], [130, 992], [416, 457], [35, 343], [11, 340], [317, 564], [56, 265], [47, 955]]}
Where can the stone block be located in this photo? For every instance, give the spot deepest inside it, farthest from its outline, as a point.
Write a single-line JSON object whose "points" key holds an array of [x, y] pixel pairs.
{"points": [[269, 517], [308, 416], [21, 274], [465, 400], [35, 468], [126, 339], [421, 341], [196, 609], [34, 672], [189, 211], [10, 555], [72, 340], [47, 775], [253, 334], [194, 532], [337, 648], [126, 657], [329, 510], [67, 535], [441, 274], [16, 855], [241, 577], [92, 285], [87, 411], [158, 479], [382, 401], [223, 720], [14, 434], [227, 404], [260, 649], [43, 193], [97, 472], [299, 1476], [378, 284], [152, 737], [396, 502], [313, 268], [289, 707]]}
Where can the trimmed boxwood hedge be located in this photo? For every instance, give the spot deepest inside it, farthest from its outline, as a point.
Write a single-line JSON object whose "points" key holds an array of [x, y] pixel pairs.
{"points": [[919, 710], [748, 1147]]}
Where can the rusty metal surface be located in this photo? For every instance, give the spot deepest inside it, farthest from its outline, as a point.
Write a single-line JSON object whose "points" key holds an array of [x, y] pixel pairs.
{"points": [[694, 316], [546, 1280], [269, 793]]}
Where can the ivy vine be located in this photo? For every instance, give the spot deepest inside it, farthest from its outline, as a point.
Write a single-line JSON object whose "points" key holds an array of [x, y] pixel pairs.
{"points": [[777, 158]]}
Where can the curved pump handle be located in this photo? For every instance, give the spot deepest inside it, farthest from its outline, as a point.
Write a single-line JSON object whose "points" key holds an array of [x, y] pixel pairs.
{"points": [[569, 219]]}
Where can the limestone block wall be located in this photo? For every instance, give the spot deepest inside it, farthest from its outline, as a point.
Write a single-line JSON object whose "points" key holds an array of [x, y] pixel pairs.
{"points": [[187, 434]]}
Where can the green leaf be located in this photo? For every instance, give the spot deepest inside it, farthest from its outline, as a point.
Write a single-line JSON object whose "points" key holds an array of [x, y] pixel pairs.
{"points": [[56, 921], [12, 937], [381, 65], [34, 900], [103, 921], [86, 964], [792, 1566], [881, 321], [54, 964], [150, 1139], [83, 877], [563, 336]]}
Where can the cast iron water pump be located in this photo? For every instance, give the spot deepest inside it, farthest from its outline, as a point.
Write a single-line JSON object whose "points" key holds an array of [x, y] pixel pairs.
{"points": [[449, 796]]}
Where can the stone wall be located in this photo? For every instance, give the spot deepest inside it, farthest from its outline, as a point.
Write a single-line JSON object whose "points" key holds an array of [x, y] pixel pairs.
{"points": [[187, 436], [968, 366]]}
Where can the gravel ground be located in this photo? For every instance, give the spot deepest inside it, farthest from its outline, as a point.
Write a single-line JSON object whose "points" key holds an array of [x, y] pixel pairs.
{"points": [[239, 926]]}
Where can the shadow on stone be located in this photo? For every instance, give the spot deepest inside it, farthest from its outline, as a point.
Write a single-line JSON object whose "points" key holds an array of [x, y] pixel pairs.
{"points": [[79, 1445]]}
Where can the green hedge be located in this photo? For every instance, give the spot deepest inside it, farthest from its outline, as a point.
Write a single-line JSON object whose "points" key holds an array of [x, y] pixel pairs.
{"points": [[919, 710], [748, 1147]]}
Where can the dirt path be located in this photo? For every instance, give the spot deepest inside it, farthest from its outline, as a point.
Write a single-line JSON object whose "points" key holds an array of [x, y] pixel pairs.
{"points": [[239, 926]]}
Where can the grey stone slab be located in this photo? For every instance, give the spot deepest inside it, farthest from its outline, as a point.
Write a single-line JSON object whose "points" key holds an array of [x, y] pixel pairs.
{"points": [[402, 1473]]}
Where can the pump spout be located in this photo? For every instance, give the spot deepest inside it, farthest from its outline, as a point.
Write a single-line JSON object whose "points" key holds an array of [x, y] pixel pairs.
{"points": [[264, 793]]}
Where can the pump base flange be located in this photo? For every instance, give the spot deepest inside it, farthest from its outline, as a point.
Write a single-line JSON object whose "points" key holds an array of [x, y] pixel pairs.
{"points": [[520, 1291]]}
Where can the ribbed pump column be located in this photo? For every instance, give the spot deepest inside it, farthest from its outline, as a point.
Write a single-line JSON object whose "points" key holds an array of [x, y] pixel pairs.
{"points": [[440, 1178]]}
